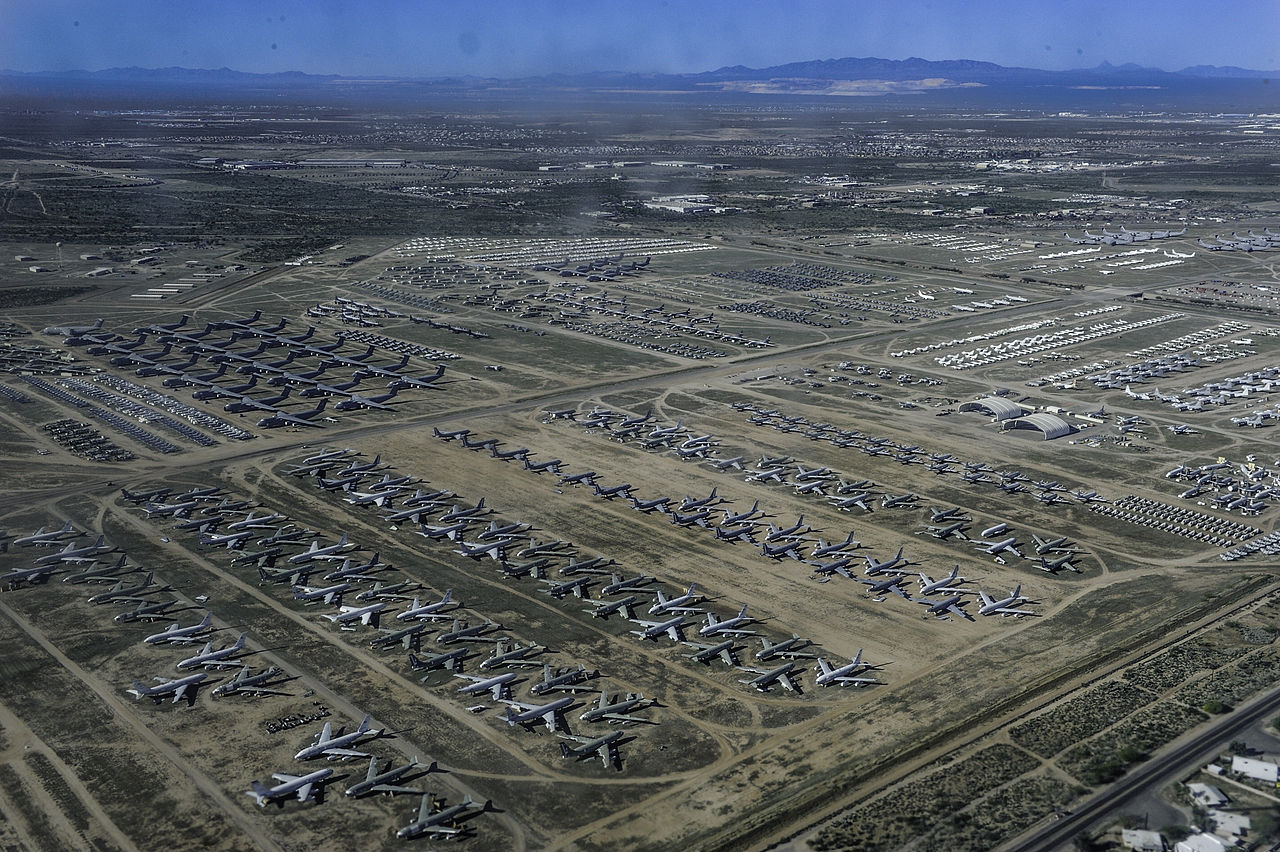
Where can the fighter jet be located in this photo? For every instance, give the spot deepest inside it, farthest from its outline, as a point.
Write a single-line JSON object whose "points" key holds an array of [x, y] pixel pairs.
{"points": [[303, 787], [335, 748]]}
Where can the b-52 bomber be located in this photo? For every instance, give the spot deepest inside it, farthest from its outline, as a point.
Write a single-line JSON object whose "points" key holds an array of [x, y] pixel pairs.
{"points": [[616, 712], [604, 747], [440, 824], [42, 538], [385, 782], [551, 714], [250, 684]]}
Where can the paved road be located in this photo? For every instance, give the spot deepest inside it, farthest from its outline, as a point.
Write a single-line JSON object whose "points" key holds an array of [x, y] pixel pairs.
{"points": [[1162, 769]]}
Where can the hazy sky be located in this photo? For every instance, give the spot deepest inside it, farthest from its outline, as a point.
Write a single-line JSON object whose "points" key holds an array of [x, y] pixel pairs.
{"points": [[505, 38]]}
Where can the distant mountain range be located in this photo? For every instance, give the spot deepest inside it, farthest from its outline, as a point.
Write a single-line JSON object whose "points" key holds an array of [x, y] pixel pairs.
{"points": [[1238, 88]]}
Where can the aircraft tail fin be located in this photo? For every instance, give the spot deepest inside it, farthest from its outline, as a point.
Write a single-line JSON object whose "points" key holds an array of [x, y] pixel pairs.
{"points": [[565, 752]]}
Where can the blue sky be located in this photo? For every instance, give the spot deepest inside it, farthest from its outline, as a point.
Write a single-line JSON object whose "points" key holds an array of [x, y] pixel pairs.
{"points": [[507, 38]]}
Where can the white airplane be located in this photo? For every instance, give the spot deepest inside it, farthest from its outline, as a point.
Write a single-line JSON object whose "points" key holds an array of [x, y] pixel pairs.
{"points": [[331, 553], [499, 685], [368, 615], [335, 748], [432, 611], [844, 675], [304, 787], [677, 604]]}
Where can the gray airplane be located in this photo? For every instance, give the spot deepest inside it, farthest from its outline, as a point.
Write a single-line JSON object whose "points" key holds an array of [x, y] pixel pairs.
{"points": [[335, 748], [653, 629], [728, 627], [783, 674], [410, 637], [28, 576], [449, 660], [1008, 545], [1004, 606], [367, 615], [250, 684], [180, 688], [331, 553], [551, 714], [792, 648], [499, 685], [71, 553], [431, 611], [725, 650], [625, 606], [875, 567], [181, 635], [605, 747], [945, 607], [877, 588], [42, 538], [566, 679], [440, 824], [302, 787], [845, 675], [461, 632], [211, 659], [513, 656], [385, 782], [616, 712], [158, 611], [121, 593]]}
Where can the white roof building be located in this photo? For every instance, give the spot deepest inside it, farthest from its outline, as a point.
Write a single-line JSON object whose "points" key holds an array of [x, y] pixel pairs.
{"points": [[1259, 769]]}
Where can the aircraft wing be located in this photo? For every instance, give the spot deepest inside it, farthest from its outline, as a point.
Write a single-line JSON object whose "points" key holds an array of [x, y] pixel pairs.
{"points": [[392, 789], [1008, 610], [958, 611], [623, 717], [333, 753]]}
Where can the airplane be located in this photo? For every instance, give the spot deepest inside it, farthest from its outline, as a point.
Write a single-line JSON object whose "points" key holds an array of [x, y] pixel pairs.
{"points": [[246, 404], [448, 660], [551, 714], [776, 533], [745, 533], [120, 593], [612, 491], [1089, 497], [691, 503], [430, 611], [509, 455], [514, 655], [28, 576], [731, 519], [1008, 545], [728, 627], [616, 712], [1004, 606], [789, 547], [890, 502], [252, 522], [783, 674], [42, 538], [335, 748], [499, 685], [332, 552], [578, 586], [604, 609], [678, 604], [792, 648], [402, 382], [209, 658], [74, 330], [147, 612], [605, 747], [538, 467], [250, 684], [659, 503], [369, 615], [458, 514], [835, 548], [440, 824], [949, 604], [588, 477], [843, 675], [108, 574], [948, 583], [1063, 561], [838, 566], [303, 787], [859, 499], [233, 541], [410, 637], [384, 591], [185, 687], [180, 635], [355, 401], [71, 553], [943, 532], [875, 567], [653, 629], [686, 519], [725, 650], [301, 418], [450, 531], [496, 550], [1045, 545], [566, 679], [724, 465], [384, 782], [877, 588], [461, 632]]}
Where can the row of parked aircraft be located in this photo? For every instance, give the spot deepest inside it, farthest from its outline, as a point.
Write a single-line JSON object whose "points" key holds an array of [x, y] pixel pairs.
{"points": [[239, 374]]}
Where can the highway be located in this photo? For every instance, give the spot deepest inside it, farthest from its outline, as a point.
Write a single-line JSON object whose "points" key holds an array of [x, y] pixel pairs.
{"points": [[1164, 768]]}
